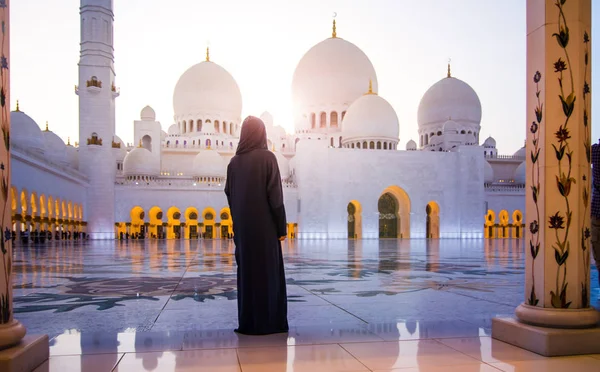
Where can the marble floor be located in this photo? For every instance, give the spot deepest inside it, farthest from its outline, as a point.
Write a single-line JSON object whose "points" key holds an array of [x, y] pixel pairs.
{"points": [[371, 305]]}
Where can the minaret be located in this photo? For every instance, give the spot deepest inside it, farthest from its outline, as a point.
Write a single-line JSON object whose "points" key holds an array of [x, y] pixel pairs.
{"points": [[97, 93]]}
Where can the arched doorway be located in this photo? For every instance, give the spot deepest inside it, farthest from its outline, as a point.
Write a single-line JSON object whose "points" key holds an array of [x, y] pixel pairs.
{"points": [[432, 220], [173, 223], [208, 215], [394, 213], [388, 216], [191, 218], [517, 221], [226, 223], [354, 210], [503, 217], [137, 220], [156, 230], [490, 221]]}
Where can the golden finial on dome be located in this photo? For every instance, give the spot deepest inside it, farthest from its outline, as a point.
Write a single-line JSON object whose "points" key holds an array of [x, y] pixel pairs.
{"points": [[68, 141], [449, 74], [47, 126], [140, 145], [207, 54], [334, 33], [17, 106], [370, 91]]}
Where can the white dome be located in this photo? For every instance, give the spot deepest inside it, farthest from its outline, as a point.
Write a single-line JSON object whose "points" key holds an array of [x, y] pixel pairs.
{"points": [[138, 162], [119, 152], [209, 163], [520, 176], [451, 127], [173, 130], [411, 145], [488, 173], [332, 72], [450, 98], [207, 89], [520, 153], [55, 148], [73, 156], [370, 116], [283, 164], [148, 114], [25, 132], [489, 143]]}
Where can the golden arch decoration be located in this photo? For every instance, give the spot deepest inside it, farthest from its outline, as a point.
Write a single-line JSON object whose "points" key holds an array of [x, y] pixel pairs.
{"points": [[209, 216], [518, 225], [156, 228], [34, 205], [137, 215], [226, 223], [354, 210], [503, 229], [24, 203], [432, 223], [490, 221], [402, 200], [173, 223], [191, 219]]}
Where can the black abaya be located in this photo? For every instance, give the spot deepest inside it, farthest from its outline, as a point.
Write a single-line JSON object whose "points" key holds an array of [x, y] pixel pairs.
{"points": [[255, 197]]}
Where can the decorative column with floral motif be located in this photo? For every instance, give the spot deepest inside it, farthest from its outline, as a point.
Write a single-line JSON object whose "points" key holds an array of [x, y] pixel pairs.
{"points": [[558, 193], [558, 196], [11, 331]]}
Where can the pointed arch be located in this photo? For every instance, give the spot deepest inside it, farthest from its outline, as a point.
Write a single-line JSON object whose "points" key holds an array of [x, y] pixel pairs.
{"points": [[209, 216], [226, 223], [490, 221], [191, 220], [432, 223], [173, 223], [155, 214], [398, 213], [137, 216], [354, 210]]}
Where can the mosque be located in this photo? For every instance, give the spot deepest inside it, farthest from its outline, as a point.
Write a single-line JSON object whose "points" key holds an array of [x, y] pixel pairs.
{"points": [[346, 173]]}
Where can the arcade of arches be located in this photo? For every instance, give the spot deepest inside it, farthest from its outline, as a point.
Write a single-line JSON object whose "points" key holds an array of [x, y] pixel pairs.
{"points": [[500, 226], [174, 223], [36, 213], [394, 208]]}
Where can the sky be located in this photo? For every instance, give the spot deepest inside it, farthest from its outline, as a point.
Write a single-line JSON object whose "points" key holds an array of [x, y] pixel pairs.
{"points": [[260, 43]]}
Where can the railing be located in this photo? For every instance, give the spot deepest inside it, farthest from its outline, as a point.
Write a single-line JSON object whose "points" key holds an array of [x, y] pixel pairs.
{"points": [[507, 157], [504, 188], [181, 183]]}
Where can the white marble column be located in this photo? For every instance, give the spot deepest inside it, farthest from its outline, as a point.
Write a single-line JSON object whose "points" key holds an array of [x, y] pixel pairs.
{"points": [[558, 197]]}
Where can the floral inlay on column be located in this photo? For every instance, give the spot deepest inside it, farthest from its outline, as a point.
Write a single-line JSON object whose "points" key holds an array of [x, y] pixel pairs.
{"points": [[587, 142], [5, 236], [534, 227]]}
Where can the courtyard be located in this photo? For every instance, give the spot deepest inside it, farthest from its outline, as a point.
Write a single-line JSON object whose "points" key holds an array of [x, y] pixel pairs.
{"points": [[352, 305]]}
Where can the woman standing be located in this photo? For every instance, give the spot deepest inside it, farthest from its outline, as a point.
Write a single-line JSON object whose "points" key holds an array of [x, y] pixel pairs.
{"points": [[255, 199]]}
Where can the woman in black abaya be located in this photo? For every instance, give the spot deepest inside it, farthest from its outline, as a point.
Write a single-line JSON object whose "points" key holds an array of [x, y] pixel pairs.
{"points": [[255, 199]]}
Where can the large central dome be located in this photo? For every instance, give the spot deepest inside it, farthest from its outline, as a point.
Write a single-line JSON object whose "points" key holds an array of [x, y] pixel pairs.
{"points": [[207, 89], [332, 72]]}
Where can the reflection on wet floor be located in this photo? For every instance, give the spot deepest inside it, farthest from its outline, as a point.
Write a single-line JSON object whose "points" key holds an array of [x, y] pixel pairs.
{"points": [[190, 286]]}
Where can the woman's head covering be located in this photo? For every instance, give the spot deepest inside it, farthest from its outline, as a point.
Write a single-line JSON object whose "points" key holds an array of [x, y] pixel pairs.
{"points": [[253, 137]]}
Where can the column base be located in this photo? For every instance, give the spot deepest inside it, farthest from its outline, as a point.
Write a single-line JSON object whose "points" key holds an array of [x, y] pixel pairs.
{"points": [[26, 356], [558, 318], [547, 341]]}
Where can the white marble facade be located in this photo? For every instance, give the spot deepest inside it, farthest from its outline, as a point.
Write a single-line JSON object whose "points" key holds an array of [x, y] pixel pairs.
{"points": [[326, 164]]}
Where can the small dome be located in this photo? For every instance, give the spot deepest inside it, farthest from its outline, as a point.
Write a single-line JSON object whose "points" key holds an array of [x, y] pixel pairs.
{"points": [[520, 176], [283, 164], [451, 127], [73, 156], [209, 163], [450, 98], [148, 114], [25, 132], [520, 153], [138, 162], [207, 89], [173, 130], [411, 145], [119, 152], [488, 173], [489, 143], [370, 116], [55, 148]]}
